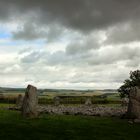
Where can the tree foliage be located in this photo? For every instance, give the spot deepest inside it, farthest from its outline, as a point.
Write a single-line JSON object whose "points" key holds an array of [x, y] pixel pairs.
{"points": [[134, 80]]}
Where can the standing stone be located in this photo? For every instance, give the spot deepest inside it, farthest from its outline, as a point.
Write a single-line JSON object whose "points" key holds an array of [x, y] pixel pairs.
{"points": [[125, 102], [30, 102], [1, 96], [19, 101], [88, 101], [56, 100], [133, 111]]}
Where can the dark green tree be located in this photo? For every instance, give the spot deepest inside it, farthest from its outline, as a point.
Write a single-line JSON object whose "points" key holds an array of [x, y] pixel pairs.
{"points": [[134, 80]]}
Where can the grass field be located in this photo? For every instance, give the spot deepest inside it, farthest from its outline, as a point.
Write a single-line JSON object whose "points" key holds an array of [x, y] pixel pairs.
{"points": [[56, 127], [9, 96], [2, 105]]}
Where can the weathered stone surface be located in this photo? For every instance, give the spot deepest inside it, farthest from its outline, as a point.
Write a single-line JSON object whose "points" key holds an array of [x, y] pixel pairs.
{"points": [[30, 102], [88, 101], [56, 101], [125, 101], [83, 110], [133, 111], [93, 110], [19, 101]]}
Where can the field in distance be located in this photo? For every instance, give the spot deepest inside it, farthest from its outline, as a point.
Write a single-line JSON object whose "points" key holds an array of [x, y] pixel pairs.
{"points": [[111, 93]]}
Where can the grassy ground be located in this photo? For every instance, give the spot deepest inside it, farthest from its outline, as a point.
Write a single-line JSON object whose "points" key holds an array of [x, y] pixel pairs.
{"points": [[2, 105], [51, 127]]}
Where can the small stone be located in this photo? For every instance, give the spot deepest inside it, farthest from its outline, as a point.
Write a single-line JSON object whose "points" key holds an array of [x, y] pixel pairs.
{"points": [[131, 122], [88, 101], [137, 120], [56, 101]]}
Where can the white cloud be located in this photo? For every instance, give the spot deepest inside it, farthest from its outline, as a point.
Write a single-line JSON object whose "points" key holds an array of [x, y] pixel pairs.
{"points": [[74, 44]]}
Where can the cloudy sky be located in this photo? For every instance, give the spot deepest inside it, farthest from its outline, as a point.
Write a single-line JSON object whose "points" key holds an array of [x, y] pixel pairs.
{"points": [[76, 44]]}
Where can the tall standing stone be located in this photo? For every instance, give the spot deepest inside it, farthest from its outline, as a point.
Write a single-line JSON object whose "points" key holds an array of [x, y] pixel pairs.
{"points": [[19, 101], [134, 103], [30, 102]]}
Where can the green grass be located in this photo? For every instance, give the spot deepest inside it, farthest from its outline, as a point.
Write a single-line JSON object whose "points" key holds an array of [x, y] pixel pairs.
{"points": [[61, 127], [2, 105]]}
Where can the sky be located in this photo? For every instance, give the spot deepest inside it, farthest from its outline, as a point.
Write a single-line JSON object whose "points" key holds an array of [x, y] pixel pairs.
{"points": [[68, 44]]}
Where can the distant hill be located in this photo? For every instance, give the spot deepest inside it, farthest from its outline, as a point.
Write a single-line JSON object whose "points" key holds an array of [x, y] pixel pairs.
{"points": [[8, 90]]}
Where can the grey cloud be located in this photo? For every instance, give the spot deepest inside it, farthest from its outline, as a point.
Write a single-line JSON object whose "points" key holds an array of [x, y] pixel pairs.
{"points": [[32, 57], [83, 16], [6, 10], [80, 56], [80, 14], [113, 55], [124, 33], [133, 62], [55, 32], [106, 76], [57, 58], [29, 31], [85, 44]]}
